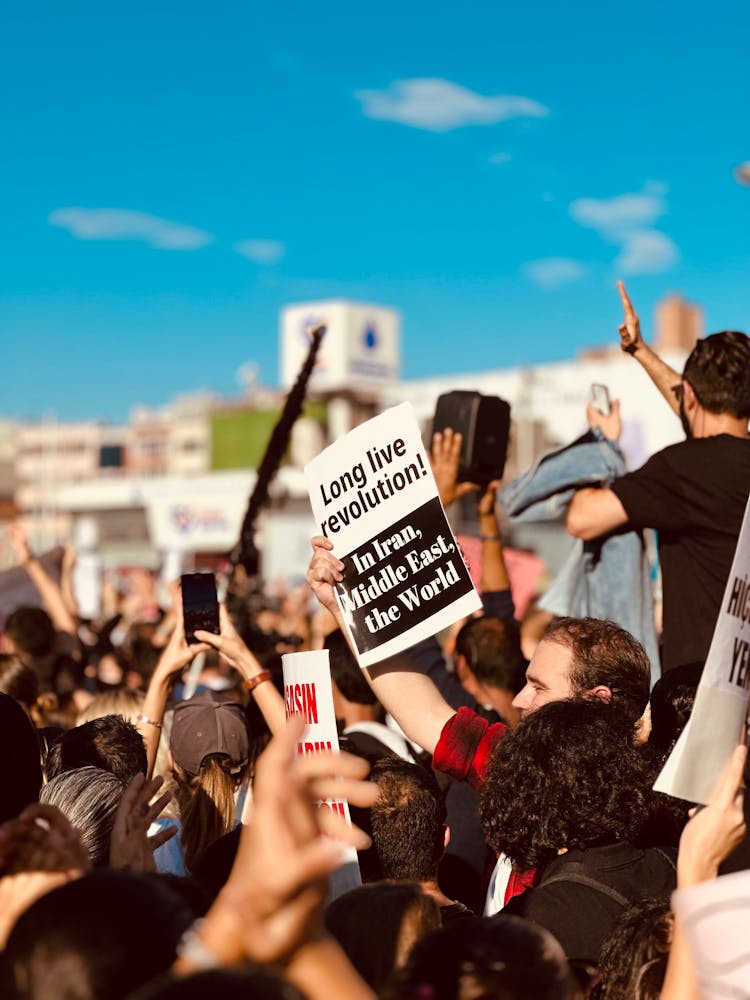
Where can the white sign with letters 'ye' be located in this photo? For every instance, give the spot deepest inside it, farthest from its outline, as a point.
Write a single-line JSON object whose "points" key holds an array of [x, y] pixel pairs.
{"points": [[715, 724]]}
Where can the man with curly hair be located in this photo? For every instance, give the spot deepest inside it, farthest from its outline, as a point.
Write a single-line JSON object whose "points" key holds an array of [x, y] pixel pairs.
{"points": [[569, 795], [692, 493]]}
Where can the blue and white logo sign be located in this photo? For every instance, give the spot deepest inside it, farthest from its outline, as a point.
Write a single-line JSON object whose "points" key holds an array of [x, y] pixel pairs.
{"points": [[360, 349], [370, 338]]}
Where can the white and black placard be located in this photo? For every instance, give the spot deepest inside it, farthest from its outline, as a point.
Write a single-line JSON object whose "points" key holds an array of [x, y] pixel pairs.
{"points": [[374, 496]]}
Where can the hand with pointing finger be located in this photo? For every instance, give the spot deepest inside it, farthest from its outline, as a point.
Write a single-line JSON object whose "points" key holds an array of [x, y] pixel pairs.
{"points": [[630, 330], [664, 377]]}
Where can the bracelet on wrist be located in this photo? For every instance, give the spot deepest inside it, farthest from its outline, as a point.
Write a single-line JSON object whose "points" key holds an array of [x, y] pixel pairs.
{"points": [[148, 722], [252, 682]]}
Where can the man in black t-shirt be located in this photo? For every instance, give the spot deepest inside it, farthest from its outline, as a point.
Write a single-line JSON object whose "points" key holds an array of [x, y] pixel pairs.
{"points": [[693, 493]]}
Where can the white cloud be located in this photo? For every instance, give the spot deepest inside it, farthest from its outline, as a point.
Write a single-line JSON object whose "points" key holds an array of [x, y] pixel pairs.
{"points": [[500, 158], [261, 251], [627, 220], [646, 251], [440, 105], [615, 215], [125, 224], [553, 272]]}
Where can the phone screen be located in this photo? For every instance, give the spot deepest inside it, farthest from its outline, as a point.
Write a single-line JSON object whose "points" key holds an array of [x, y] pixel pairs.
{"points": [[600, 398], [200, 606]]}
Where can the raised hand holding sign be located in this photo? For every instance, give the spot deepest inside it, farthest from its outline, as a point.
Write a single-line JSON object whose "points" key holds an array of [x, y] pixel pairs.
{"points": [[397, 574]]}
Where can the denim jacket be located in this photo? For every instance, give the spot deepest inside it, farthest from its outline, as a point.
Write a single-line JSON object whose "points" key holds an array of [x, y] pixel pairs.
{"points": [[608, 577]]}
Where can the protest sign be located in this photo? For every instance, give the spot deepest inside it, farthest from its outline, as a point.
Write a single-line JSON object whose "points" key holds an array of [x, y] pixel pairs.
{"points": [[715, 724], [373, 494], [714, 917], [307, 692]]}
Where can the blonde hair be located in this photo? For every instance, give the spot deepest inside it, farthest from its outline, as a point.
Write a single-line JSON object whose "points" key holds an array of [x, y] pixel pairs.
{"points": [[122, 701], [207, 803]]}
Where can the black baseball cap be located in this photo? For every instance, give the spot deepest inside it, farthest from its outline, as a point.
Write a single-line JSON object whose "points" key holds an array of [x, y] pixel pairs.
{"points": [[208, 723]]}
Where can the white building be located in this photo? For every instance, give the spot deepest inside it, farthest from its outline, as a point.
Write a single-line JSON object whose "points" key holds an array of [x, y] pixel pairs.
{"points": [[51, 455], [170, 502]]}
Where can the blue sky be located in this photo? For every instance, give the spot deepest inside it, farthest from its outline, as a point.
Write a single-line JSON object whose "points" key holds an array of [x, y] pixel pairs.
{"points": [[172, 174]]}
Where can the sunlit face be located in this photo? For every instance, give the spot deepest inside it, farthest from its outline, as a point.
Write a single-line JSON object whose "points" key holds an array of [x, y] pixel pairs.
{"points": [[547, 677]]}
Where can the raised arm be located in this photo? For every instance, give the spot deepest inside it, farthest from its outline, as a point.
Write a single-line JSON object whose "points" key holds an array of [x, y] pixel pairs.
{"points": [[257, 680], [410, 697], [175, 657], [444, 459], [631, 341], [49, 591], [67, 589], [494, 571], [595, 510]]}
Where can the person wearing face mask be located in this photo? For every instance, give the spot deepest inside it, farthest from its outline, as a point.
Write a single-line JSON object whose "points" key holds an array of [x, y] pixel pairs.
{"points": [[693, 493]]}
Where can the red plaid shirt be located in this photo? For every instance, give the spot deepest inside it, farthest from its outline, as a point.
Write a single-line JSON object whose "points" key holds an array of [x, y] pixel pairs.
{"points": [[463, 752]]}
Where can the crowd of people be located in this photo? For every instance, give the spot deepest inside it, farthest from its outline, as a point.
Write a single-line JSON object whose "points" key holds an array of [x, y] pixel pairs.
{"points": [[160, 834]]}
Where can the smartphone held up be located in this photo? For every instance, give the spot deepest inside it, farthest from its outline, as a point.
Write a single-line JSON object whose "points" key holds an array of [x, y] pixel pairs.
{"points": [[200, 604], [600, 398]]}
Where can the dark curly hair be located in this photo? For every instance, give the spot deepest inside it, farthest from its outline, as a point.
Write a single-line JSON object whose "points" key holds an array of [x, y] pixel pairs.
{"points": [[633, 960], [718, 369], [570, 777]]}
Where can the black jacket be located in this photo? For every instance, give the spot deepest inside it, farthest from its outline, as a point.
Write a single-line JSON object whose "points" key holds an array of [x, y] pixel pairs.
{"points": [[582, 893]]}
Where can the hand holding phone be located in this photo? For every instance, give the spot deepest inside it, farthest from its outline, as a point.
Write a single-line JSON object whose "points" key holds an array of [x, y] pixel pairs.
{"points": [[600, 398], [603, 414], [200, 605]]}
